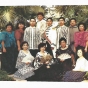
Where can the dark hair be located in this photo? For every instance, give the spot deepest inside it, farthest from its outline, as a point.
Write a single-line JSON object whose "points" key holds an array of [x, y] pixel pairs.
{"points": [[61, 18], [81, 23], [32, 18], [41, 45], [21, 22], [80, 48], [62, 39], [24, 42], [9, 24], [50, 19], [73, 19], [40, 13]]}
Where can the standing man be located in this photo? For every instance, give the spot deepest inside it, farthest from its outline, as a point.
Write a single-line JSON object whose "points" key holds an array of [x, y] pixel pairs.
{"points": [[50, 36], [72, 29], [62, 31], [32, 36], [41, 24]]}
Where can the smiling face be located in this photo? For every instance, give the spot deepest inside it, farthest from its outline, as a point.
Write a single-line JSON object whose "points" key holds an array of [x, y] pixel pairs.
{"points": [[40, 17], [25, 46], [9, 28], [21, 26], [43, 48], [81, 27], [79, 53], [63, 44], [72, 22], [49, 22], [61, 22], [32, 22]]}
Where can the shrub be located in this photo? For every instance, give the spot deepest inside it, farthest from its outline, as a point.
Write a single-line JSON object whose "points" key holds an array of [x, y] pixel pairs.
{"points": [[4, 76], [86, 76]]}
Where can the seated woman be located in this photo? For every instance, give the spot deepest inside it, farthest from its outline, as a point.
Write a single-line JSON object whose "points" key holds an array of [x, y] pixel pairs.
{"points": [[42, 57], [45, 68], [81, 63], [23, 63], [65, 55], [77, 74]]}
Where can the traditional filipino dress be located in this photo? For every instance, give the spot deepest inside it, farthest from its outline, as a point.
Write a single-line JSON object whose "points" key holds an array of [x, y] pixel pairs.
{"points": [[39, 56], [24, 71], [32, 36], [8, 57], [41, 25], [62, 31], [77, 74], [64, 54], [49, 32], [42, 73]]}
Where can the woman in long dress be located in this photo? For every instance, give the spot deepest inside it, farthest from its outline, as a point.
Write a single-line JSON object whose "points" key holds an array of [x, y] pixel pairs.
{"points": [[81, 63], [24, 63], [8, 47], [77, 74], [48, 71], [65, 55]]}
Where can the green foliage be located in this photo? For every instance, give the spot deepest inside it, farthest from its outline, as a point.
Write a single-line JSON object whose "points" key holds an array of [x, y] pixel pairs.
{"points": [[86, 76], [14, 13], [80, 12], [4, 76]]}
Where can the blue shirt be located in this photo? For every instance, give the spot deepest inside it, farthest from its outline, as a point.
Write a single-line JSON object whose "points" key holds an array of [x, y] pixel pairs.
{"points": [[8, 38]]}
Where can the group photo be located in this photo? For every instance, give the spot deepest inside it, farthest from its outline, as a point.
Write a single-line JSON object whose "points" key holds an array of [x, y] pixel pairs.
{"points": [[44, 43]]}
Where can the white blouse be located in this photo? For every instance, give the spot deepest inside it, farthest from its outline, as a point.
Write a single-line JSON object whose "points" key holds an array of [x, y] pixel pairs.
{"points": [[81, 65], [28, 57]]}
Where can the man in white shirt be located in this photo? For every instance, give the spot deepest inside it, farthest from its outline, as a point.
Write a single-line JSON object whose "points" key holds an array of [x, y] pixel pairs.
{"points": [[41, 24], [50, 36], [62, 31], [32, 36]]}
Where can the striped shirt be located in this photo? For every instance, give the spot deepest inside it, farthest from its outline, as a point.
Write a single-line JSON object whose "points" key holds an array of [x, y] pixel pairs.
{"points": [[63, 31], [41, 25], [47, 30], [32, 36]]}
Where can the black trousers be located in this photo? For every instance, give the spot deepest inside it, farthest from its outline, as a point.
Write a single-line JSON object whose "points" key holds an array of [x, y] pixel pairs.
{"points": [[48, 48], [8, 60], [33, 52]]}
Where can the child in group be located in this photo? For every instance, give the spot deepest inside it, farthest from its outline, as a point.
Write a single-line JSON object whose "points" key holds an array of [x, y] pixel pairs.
{"points": [[24, 63]]}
